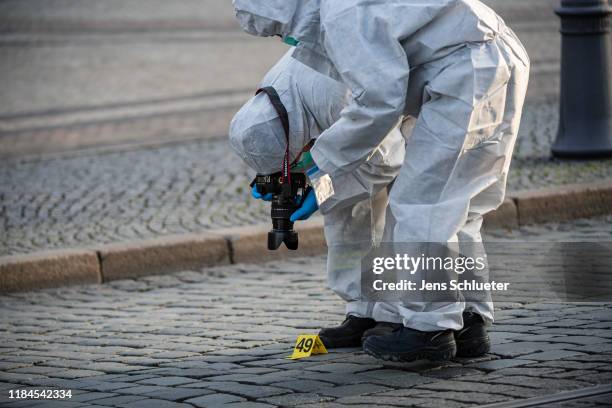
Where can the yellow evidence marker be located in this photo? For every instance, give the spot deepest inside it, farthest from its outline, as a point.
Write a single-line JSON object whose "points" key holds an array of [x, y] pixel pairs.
{"points": [[307, 345]]}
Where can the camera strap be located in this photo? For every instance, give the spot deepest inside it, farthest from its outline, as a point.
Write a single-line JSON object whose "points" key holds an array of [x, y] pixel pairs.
{"points": [[284, 118]]}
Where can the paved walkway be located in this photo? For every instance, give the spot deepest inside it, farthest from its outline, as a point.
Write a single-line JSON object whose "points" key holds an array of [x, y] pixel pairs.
{"points": [[148, 92], [80, 199], [218, 337], [83, 200]]}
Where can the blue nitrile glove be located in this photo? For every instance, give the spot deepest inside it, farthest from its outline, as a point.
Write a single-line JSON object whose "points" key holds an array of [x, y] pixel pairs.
{"points": [[255, 194], [308, 207]]}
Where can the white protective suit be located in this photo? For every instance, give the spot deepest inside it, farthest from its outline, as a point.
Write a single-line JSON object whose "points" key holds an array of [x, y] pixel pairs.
{"points": [[455, 67], [354, 216]]}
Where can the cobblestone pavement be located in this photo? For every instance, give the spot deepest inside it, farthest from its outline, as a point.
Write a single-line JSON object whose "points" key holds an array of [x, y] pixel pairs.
{"points": [[125, 191], [218, 337], [79, 201]]}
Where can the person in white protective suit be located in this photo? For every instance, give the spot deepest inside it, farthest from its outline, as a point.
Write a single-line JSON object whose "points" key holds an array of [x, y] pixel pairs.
{"points": [[459, 74], [354, 216]]}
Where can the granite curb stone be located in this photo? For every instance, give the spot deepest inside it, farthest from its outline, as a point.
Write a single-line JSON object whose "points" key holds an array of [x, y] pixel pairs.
{"points": [[48, 269], [127, 260], [158, 256], [563, 203]]}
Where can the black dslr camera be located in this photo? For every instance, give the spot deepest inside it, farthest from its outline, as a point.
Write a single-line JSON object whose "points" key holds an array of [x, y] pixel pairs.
{"points": [[284, 202]]}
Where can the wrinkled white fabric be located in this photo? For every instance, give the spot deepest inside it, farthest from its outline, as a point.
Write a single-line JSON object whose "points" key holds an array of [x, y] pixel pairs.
{"points": [[298, 19], [451, 64], [256, 133], [354, 216], [456, 164], [313, 103]]}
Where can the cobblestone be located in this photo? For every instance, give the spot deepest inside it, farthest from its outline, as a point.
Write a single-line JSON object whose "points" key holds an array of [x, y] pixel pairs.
{"points": [[111, 332], [83, 199], [217, 337]]}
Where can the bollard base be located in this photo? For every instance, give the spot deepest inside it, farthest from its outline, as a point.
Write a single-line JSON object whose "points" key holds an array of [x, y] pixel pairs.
{"points": [[562, 153], [577, 146]]}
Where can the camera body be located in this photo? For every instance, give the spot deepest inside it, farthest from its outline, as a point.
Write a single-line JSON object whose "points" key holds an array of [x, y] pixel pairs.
{"points": [[284, 203]]}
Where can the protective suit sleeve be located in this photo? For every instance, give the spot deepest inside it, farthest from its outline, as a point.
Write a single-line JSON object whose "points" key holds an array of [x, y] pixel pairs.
{"points": [[371, 177], [374, 66]]}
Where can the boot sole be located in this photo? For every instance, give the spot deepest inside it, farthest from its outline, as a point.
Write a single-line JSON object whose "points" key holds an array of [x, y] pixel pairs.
{"points": [[473, 347], [444, 352]]}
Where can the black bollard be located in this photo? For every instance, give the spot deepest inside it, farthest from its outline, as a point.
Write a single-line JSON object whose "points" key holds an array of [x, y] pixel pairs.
{"points": [[585, 125]]}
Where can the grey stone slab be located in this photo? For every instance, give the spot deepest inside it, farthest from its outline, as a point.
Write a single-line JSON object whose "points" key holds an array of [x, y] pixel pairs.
{"points": [[455, 385], [108, 377], [140, 389], [451, 372], [248, 391], [500, 364], [352, 390], [552, 355], [343, 368], [234, 378], [603, 358], [394, 378], [214, 400], [339, 378], [157, 403], [58, 383], [117, 400], [584, 340], [19, 377], [75, 374], [8, 365], [297, 398], [394, 401], [531, 370], [168, 381], [189, 372], [27, 404], [568, 365], [582, 375], [54, 404], [472, 398], [518, 348], [109, 367], [125, 377], [253, 370], [34, 370], [302, 385], [91, 396], [515, 328], [104, 385], [171, 354], [596, 378], [566, 323], [178, 393], [540, 383], [602, 348], [265, 379]]}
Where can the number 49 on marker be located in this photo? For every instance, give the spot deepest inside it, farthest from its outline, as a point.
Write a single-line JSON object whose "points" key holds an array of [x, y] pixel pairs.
{"points": [[307, 345]]}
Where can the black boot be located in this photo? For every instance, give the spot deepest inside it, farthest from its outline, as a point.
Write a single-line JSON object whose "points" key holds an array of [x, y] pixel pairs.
{"points": [[472, 340], [348, 334], [407, 345], [381, 329]]}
